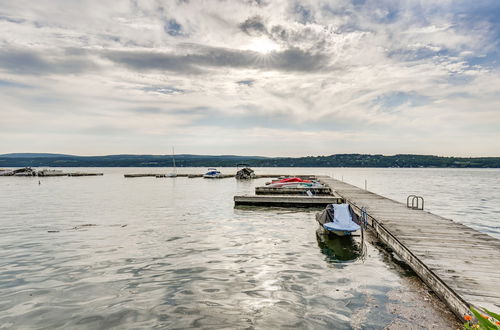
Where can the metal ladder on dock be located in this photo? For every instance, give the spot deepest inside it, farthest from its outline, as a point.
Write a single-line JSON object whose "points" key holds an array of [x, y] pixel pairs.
{"points": [[415, 202]]}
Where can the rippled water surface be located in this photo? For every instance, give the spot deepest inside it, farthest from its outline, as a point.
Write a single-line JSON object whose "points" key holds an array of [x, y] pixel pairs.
{"points": [[103, 252]]}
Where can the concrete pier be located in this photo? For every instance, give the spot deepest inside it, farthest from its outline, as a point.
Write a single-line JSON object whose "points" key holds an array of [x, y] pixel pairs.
{"points": [[461, 265]]}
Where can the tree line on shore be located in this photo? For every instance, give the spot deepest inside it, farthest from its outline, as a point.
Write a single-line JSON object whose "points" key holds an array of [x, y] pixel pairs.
{"points": [[338, 160]]}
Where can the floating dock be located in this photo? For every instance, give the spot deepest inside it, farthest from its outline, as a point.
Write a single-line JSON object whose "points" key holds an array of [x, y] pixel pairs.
{"points": [[85, 174], [286, 200], [141, 175], [460, 264], [292, 191]]}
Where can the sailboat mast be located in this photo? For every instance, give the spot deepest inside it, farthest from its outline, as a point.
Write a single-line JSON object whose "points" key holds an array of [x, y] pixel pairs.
{"points": [[173, 160]]}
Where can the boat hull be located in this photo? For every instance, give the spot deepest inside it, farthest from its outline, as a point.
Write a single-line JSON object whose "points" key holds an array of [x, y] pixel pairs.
{"points": [[208, 176]]}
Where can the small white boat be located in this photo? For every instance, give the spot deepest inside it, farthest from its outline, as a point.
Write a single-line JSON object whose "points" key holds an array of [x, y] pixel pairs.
{"points": [[338, 219], [212, 174]]}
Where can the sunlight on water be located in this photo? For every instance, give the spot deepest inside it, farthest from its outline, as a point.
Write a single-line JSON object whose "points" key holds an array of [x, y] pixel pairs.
{"points": [[100, 252]]}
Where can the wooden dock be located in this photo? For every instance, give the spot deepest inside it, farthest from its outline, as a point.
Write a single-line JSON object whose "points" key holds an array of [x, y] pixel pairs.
{"points": [[460, 264], [286, 200], [85, 174]]}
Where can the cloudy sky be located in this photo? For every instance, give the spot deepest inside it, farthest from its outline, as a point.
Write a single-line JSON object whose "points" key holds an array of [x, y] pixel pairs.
{"points": [[250, 77]]}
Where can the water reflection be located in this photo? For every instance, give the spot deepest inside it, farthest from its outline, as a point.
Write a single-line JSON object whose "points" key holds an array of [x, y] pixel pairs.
{"points": [[175, 253], [339, 248]]}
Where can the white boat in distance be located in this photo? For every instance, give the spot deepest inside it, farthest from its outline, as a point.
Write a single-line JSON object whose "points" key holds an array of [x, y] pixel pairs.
{"points": [[212, 174]]}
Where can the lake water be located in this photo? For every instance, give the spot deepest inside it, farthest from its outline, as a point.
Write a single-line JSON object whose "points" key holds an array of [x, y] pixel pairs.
{"points": [[104, 252]]}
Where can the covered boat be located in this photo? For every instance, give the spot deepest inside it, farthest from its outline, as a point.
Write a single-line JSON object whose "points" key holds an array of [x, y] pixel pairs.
{"points": [[294, 182], [338, 219], [212, 174], [245, 173]]}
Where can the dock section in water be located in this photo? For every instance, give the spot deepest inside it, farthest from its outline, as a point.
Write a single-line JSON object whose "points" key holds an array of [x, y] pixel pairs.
{"points": [[461, 265], [292, 191], [286, 200]]}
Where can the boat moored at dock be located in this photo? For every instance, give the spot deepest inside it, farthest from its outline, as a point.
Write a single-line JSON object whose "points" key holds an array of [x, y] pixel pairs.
{"points": [[213, 173], [244, 173], [338, 219]]}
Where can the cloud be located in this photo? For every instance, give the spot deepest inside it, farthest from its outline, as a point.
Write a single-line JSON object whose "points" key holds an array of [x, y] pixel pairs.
{"points": [[248, 82], [173, 28], [303, 14], [200, 59], [253, 26], [12, 20], [13, 84], [164, 90], [399, 100], [194, 72], [26, 61]]}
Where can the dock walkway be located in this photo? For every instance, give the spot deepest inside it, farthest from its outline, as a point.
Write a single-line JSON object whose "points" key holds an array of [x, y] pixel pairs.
{"points": [[457, 262]]}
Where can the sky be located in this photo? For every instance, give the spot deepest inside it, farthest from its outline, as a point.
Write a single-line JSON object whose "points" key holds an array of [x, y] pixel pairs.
{"points": [[250, 77]]}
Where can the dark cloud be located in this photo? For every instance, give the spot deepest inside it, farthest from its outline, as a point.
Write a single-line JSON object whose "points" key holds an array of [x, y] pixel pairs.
{"points": [[191, 110], [205, 58], [153, 110], [303, 14], [173, 28], [259, 3], [142, 60], [278, 32], [295, 59], [23, 61], [248, 82], [12, 20], [164, 90], [253, 26]]}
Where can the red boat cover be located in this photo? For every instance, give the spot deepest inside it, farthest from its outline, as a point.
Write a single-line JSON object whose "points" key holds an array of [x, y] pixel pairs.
{"points": [[292, 180]]}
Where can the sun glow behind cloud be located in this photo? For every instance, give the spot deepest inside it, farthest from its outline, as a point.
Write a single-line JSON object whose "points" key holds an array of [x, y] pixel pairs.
{"points": [[263, 45]]}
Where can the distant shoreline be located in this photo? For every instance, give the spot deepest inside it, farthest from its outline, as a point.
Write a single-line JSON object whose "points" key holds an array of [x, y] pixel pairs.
{"points": [[338, 160]]}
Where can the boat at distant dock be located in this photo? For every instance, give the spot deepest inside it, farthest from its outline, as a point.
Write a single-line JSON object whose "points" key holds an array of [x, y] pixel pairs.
{"points": [[244, 173], [212, 174]]}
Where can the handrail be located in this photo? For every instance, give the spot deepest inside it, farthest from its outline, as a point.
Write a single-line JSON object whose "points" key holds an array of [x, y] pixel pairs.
{"points": [[364, 217], [415, 202]]}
